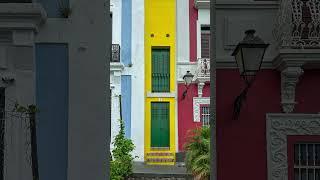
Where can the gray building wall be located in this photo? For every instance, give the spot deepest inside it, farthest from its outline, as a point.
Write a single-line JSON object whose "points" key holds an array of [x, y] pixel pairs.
{"points": [[88, 34]]}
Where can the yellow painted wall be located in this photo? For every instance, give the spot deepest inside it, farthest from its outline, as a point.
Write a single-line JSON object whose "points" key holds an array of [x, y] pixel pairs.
{"points": [[160, 20]]}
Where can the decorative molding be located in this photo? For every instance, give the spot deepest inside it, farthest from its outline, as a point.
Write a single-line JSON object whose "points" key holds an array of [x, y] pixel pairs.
{"points": [[200, 88], [279, 126], [292, 29], [197, 101], [296, 58], [21, 16], [289, 79]]}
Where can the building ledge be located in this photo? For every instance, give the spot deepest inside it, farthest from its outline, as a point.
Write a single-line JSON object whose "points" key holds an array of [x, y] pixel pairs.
{"points": [[202, 4], [205, 4], [160, 95], [21, 16], [116, 66], [297, 58]]}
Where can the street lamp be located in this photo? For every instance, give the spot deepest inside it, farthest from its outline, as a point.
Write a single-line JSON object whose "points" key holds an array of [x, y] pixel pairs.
{"points": [[248, 54], [188, 77]]}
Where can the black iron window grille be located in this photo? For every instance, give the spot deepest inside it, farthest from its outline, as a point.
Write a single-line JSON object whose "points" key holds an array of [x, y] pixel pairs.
{"points": [[307, 161], [115, 49]]}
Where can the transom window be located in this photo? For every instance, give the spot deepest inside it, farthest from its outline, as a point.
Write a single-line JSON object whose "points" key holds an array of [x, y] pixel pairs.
{"points": [[307, 161], [205, 115]]}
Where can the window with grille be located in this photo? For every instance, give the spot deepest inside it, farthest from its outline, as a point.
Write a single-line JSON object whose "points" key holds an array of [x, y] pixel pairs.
{"points": [[160, 70], [307, 161], [205, 42], [205, 115]]}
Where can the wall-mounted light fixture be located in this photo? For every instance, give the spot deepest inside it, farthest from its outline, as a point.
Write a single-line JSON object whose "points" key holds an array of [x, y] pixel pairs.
{"points": [[248, 54], [188, 77]]}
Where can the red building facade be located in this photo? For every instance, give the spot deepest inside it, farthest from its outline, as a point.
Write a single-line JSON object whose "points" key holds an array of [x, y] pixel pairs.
{"points": [[277, 135]]}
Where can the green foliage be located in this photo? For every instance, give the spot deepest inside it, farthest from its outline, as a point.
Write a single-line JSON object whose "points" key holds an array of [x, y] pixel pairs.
{"points": [[121, 163], [198, 153], [30, 109]]}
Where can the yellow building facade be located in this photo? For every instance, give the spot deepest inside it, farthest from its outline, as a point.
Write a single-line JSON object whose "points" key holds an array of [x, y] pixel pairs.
{"points": [[160, 81]]}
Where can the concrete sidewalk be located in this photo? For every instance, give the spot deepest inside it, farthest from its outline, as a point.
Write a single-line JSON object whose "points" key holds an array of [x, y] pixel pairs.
{"points": [[141, 168]]}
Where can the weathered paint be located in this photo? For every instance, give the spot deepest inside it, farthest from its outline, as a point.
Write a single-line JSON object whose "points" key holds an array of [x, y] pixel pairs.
{"points": [[163, 36], [193, 17], [52, 76], [126, 103], [126, 28], [185, 111], [138, 75]]}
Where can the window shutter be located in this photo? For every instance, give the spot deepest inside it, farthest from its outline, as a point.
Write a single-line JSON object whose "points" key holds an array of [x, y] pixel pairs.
{"points": [[160, 70], [205, 44]]}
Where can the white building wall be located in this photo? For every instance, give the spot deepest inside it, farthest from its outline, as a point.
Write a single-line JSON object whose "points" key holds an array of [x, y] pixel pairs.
{"points": [[137, 71], [115, 71]]}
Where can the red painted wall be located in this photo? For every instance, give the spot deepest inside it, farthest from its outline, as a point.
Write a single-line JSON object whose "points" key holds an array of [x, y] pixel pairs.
{"points": [[185, 111], [241, 144], [193, 17]]}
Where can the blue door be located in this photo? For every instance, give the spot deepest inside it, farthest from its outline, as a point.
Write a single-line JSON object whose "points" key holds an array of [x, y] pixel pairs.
{"points": [[52, 100]]}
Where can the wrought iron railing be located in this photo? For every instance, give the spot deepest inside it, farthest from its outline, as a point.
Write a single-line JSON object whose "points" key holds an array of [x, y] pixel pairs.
{"points": [[298, 24], [15, 1], [203, 68], [115, 50]]}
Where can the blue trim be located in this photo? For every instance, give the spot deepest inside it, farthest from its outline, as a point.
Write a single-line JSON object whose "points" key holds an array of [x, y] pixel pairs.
{"points": [[126, 29], [126, 84], [52, 81]]}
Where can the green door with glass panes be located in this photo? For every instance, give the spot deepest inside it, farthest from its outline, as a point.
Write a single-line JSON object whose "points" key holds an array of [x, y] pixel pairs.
{"points": [[160, 70], [160, 133]]}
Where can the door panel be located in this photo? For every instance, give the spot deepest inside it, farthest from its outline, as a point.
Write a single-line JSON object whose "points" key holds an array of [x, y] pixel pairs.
{"points": [[160, 124]]}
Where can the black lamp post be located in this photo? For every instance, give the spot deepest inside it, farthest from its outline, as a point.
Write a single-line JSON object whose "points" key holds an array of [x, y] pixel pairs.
{"points": [[248, 54], [188, 77]]}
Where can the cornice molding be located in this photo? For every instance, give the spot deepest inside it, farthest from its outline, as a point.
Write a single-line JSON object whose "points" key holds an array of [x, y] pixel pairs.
{"points": [[296, 58], [21, 16], [205, 4]]}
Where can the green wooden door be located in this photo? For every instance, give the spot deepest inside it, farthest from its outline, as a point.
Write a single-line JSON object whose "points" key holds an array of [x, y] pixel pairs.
{"points": [[160, 124], [160, 70]]}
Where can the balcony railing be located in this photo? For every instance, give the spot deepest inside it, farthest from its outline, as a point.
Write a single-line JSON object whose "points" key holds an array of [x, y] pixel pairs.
{"points": [[203, 69], [115, 50], [15, 1], [298, 24]]}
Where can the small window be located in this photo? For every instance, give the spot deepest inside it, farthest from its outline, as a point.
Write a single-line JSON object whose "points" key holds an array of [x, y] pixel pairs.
{"points": [[205, 115], [205, 42], [306, 161]]}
